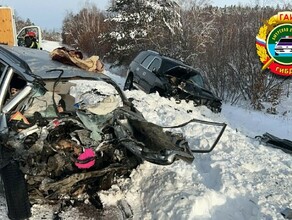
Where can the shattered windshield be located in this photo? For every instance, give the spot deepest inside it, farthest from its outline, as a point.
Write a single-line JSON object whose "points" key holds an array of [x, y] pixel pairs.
{"points": [[100, 99], [167, 65], [197, 79]]}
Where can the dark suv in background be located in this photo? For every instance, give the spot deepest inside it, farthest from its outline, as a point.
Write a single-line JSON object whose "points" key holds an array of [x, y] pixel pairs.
{"points": [[153, 72]]}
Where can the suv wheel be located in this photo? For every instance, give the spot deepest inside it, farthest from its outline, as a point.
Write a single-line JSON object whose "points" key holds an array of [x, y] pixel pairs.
{"points": [[129, 82]]}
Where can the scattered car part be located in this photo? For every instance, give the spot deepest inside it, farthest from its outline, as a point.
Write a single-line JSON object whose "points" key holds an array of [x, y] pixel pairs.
{"points": [[276, 142]]}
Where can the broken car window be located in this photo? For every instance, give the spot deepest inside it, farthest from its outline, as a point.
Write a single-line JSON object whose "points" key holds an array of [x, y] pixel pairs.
{"points": [[15, 86], [198, 79], [167, 65]]}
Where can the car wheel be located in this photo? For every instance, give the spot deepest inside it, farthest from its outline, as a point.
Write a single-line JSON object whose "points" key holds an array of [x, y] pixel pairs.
{"points": [[128, 83], [15, 191]]}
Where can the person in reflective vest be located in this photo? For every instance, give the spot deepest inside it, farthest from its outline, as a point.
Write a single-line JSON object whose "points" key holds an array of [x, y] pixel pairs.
{"points": [[30, 40]]}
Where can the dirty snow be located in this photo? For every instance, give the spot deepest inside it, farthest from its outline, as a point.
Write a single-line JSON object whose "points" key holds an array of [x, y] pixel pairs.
{"points": [[241, 179]]}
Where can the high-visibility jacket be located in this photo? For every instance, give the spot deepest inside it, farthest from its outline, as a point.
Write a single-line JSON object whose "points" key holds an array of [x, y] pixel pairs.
{"points": [[34, 45], [30, 42]]}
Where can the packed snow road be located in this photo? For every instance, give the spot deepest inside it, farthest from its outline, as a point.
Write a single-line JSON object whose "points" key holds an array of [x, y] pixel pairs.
{"points": [[241, 179]]}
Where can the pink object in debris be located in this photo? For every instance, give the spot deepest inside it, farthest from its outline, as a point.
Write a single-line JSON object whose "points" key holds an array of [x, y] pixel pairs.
{"points": [[87, 155]]}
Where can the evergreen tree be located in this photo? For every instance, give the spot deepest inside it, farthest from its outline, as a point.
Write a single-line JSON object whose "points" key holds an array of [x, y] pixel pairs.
{"points": [[141, 24]]}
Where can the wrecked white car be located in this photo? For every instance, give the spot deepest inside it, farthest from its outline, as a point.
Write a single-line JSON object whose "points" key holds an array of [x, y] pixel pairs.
{"points": [[66, 133]]}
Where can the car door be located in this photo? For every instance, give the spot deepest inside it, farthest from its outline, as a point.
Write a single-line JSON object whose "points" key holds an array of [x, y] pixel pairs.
{"points": [[15, 187], [152, 79], [149, 73], [144, 73]]}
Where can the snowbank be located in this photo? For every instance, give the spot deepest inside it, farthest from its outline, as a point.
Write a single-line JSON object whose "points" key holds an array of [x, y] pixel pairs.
{"points": [[240, 179]]}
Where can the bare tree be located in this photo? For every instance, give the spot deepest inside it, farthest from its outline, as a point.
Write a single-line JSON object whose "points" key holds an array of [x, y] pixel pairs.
{"points": [[218, 41], [83, 30], [198, 29], [20, 22]]}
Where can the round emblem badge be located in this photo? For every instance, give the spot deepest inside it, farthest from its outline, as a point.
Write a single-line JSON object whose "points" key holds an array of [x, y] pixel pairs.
{"points": [[274, 44]]}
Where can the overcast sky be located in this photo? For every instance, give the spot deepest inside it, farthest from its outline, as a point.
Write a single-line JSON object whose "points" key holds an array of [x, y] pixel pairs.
{"points": [[49, 14]]}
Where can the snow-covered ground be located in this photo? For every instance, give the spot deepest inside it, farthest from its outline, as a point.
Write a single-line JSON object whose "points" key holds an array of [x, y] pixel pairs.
{"points": [[240, 180], [50, 45], [252, 123]]}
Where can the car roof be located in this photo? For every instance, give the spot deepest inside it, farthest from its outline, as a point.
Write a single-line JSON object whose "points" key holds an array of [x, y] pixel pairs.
{"points": [[178, 62], [38, 62], [164, 57]]}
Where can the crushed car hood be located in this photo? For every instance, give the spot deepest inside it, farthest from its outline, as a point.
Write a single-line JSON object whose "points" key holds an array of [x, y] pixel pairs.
{"points": [[185, 74]]}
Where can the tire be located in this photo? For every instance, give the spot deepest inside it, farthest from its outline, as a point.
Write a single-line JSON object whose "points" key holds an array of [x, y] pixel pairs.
{"points": [[129, 83], [15, 191]]}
